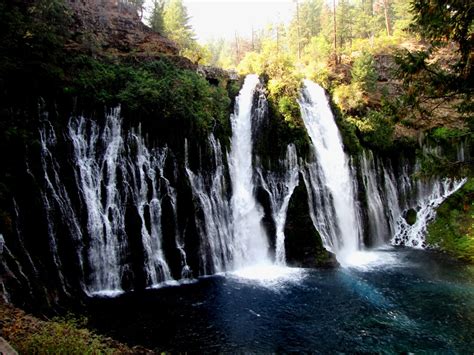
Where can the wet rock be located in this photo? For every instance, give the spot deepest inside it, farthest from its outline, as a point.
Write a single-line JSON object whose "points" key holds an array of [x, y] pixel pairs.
{"points": [[303, 244], [410, 216]]}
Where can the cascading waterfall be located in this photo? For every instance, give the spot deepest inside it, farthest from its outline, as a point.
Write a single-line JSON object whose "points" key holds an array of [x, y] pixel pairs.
{"points": [[251, 242], [216, 227], [389, 199], [96, 178], [280, 187], [108, 175], [328, 179], [377, 204], [186, 272], [147, 169]]}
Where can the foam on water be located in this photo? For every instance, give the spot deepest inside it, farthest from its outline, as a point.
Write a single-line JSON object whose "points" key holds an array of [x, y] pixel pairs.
{"points": [[269, 275], [107, 293], [370, 259]]}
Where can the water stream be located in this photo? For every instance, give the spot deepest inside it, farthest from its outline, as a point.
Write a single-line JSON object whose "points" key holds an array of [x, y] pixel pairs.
{"points": [[328, 178]]}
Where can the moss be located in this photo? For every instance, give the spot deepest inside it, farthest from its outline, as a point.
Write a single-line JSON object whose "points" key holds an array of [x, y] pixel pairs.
{"points": [[453, 229], [411, 216]]}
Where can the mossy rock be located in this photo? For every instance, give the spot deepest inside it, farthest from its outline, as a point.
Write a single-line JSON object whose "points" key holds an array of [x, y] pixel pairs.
{"points": [[303, 244], [453, 229], [410, 216]]}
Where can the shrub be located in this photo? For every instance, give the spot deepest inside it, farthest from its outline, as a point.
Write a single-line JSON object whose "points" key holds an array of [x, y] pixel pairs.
{"points": [[349, 98]]}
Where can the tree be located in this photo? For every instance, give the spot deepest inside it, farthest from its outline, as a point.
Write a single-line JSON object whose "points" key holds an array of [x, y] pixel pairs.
{"points": [[440, 21], [176, 24], [156, 19], [305, 24], [429, 82]]}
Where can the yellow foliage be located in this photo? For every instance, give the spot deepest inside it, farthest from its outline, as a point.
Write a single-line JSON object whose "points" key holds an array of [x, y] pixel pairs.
{"points": [[364, 126], [348, 97], [252, 63]]}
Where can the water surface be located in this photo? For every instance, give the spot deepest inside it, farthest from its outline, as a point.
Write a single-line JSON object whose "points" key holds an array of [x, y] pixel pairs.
{"points": [[391, 300]]}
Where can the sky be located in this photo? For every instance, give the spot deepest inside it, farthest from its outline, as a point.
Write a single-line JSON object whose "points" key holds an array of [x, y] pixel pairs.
{"points": [[212, 19]]}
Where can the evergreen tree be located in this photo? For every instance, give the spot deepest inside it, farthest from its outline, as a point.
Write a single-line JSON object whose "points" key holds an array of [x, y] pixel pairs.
{"points": [[156, 18], [305, 24], [176, 24]]}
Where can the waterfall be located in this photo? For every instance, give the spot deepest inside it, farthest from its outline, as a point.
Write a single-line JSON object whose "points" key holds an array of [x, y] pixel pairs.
{"points": [[328, 178], [377, 204], [280, 186], [56, 198], [215, 228], [429, 194], [112, 170], [389, 200], [251, 243], [147, 171], [97, 157]]}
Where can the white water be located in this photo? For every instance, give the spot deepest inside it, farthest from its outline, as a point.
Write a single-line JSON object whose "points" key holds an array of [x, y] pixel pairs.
{"points": [[389, 199], [109, 172], [56, 199], [280, 187], [215, 228], [146, 170], [251, 243], [328, 179], [96, 177]]}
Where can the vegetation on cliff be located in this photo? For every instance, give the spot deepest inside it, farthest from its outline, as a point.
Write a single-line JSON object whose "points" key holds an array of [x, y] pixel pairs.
{"points": [[453, 229], [31, 335]]}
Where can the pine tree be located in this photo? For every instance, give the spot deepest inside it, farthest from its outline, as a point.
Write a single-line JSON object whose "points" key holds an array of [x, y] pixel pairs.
{"points": [[176, 24], [156, 18]]}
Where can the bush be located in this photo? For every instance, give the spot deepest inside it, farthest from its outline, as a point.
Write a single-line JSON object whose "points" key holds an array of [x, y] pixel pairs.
{"points": [[154, 91], [349, 98]]}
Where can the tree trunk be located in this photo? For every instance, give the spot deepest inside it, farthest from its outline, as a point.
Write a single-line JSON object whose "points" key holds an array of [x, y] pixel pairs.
{"points": [[386, 4], [335, 32]]}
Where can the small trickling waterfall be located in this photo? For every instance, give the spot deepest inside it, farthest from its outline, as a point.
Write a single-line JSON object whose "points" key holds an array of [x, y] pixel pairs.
{"points": [[251, 243], [375, 179], [146, 172], [55, 197], [280, 186], [328, 178]]}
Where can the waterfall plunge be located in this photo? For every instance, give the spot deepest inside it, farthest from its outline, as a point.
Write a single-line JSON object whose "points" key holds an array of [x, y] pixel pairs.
{"points": [[329, 179], [251, 243]]}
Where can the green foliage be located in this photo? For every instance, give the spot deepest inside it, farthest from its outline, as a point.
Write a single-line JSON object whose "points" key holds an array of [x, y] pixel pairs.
{"points": [[156, 18], [445, 134], [444, 20], [176, 24], [32, 39], [376, 128], [453, 229], [59, 336], [364, 73], [153, 91]]}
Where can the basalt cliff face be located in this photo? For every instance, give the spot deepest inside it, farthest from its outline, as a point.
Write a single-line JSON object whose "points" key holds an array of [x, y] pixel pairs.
{"points": [[114, 27]]}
